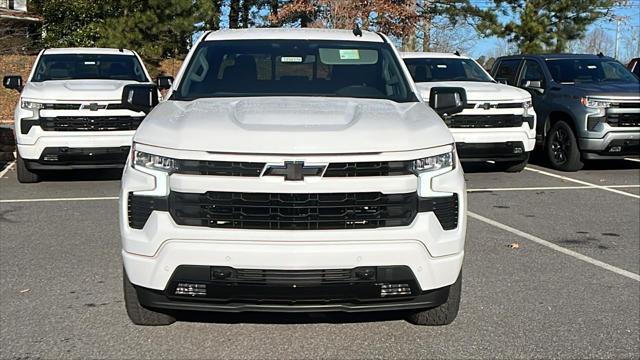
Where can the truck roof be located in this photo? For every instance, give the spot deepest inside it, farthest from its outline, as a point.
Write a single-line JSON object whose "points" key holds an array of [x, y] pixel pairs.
{"points": [[431, 55], [79, 50], [556, 56], [292, 34]]}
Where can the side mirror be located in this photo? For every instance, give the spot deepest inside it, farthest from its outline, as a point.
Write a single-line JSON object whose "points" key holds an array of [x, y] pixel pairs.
{"points": [[535, 85], [164, 82], [13, 82], [447, 100], [502, 81], [140, 97]]}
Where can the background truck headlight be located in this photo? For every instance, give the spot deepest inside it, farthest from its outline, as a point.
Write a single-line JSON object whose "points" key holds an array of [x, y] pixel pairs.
{"points": [[594, 104]]}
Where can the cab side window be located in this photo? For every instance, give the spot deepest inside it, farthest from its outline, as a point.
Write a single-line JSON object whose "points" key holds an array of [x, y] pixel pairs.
{"points": [[532, 71], [507, 71]]}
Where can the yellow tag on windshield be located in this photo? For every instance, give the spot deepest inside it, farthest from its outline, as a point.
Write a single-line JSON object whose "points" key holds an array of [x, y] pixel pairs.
{"points": [[348, 54]]}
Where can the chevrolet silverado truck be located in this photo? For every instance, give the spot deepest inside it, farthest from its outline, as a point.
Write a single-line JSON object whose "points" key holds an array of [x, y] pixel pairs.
{"points": [[498, 123], [70, 113], [588, 106], [294, 170]]}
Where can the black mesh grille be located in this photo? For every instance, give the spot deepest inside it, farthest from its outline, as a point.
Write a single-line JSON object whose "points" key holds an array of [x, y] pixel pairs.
{"points": [[623, 120], [90, 123], [627, 105], [387, 168], [257, 276], [445, 209], [484, 121], [293, 211], [220, 168]]}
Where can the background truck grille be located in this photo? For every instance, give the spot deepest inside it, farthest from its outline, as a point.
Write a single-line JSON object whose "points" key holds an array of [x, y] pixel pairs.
{"points": [[90, 123], [293, 211], [623, 120], [484, 121]]}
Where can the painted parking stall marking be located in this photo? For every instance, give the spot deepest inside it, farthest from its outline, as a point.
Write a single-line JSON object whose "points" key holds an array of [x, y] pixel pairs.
{"points": [[555, 247]]}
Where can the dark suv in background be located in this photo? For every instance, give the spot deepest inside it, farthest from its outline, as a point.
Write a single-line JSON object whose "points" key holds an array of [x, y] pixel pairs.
{"points": [[588, 106]]}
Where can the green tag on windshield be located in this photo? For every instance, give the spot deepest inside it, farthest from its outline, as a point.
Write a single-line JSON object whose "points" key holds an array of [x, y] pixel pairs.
{"points": [[349, 54]]}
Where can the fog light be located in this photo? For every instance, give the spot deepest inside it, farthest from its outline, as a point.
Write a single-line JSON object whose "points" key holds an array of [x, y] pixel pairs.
{"points": [[191, 289], [51, 158], [518, 150], [615, 149], [394, 289]]}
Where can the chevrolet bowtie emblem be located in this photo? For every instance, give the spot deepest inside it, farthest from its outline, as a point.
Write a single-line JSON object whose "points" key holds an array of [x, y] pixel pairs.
{"points": [[294, 170]]}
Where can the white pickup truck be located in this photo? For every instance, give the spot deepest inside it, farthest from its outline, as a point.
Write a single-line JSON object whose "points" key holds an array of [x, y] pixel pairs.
{"points": [[70, 113], [296, 171], [498, 124]]}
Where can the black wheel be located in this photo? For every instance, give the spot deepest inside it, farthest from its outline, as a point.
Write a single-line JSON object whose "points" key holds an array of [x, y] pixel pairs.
{"points": [[443, 314], [25, 176], [561, 148], [512, 166], [139, 314]]}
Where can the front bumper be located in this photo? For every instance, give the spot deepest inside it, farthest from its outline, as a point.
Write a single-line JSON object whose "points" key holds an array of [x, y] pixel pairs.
{"points": [[63, 158], [613, 145], [507, 151], [292, 291], [71, 140]]}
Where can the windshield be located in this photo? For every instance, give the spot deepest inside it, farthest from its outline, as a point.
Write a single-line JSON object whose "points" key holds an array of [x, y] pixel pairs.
{"points": [[569, 71], [89, 66], [445, 69], [242, 68]]}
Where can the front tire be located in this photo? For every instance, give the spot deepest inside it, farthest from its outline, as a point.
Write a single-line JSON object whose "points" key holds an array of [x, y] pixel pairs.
{"points": [[443, 314], [562, 149], [139, 314], [512, 166], [25, 176]]}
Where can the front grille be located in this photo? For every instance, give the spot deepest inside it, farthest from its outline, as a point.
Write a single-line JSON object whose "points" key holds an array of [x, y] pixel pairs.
{"points": [[386, 168], [494, 106], [257, 276], [219, 168], [623, 120], [627, 105], [484, 121], [90, 123], [293, 211]]}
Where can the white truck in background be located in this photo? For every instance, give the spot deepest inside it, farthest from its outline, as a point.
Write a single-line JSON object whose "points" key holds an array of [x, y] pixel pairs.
{"points": [[498, 124], [70, 113]]}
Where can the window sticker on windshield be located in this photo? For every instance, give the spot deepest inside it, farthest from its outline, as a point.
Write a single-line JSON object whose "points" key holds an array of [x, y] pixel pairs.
{"points": [[291, 59], [89, 62], [349, 54], [591, 67], [441, 66]]}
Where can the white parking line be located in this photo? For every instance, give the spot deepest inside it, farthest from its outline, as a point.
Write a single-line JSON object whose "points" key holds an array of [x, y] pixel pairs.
{"points": [[555, 247], [583, 187], [60, 199], [562, 177], [632, 159], [6, 169]]}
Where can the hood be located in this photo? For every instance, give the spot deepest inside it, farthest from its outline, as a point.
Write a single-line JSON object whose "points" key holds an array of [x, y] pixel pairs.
{"points": [[293, 125], [478, 91], [607, 90], [75, 90]]}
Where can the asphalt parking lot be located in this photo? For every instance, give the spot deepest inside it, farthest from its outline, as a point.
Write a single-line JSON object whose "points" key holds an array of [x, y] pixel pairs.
{"points": [[551, 271]]}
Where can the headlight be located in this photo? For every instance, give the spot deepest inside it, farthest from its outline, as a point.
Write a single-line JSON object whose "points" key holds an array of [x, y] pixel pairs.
{"points": [[434, 163], [153, 162], [30, 105], [594, 104], [526, 107]]}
